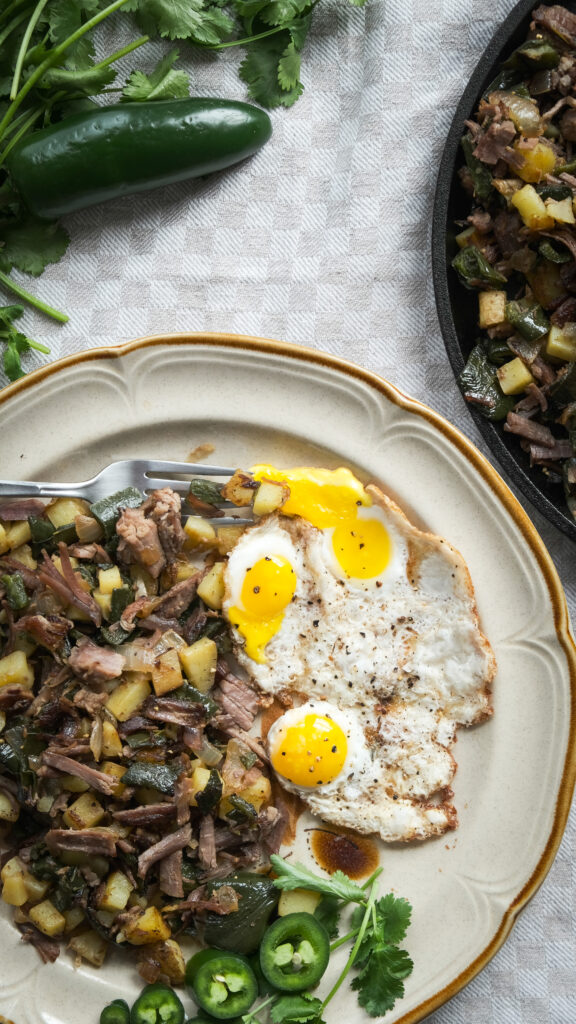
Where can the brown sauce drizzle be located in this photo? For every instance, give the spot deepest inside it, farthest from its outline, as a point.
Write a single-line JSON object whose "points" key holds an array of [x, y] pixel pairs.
{"points": [[346, 851]]}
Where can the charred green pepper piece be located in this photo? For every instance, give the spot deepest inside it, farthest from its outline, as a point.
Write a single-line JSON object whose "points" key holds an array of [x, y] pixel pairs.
{"points": [[481, 177], [16, 595], [155, 776], [294, 952], [529, 320], [479, 384], [107, 510], [223, 984], [157, 1004], [206, 491], [475, 271], [242, 929], [114, 151]]}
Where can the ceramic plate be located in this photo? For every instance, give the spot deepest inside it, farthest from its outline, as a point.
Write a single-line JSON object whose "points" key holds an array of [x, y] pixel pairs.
{"points": [[264, 401], [458, 308]]}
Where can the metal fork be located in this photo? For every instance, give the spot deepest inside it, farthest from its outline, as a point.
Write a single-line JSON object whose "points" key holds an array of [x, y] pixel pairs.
{"points": [[145, 474]]}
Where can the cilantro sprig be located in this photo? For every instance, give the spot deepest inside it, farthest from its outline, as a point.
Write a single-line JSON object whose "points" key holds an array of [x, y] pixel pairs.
{"points": [[377, 926], [14, 342]]}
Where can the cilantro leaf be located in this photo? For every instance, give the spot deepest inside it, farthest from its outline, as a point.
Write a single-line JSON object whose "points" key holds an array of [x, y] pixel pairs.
{"points": [[30, 245], [297, 876], [381, 981], [15, 342], [164, 82], [260, 70], [301, 1008], [289, 68], [328, 913], [278, 12], [183, 19]]}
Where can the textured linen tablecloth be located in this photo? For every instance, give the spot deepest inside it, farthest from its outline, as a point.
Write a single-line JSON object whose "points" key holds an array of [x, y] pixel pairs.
{"points": [[323, 239]]}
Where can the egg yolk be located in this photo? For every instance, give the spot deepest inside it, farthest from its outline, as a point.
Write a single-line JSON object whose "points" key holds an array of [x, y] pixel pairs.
{"points": [[324, 497], [268, 588], [311, 752], [363, 547]]}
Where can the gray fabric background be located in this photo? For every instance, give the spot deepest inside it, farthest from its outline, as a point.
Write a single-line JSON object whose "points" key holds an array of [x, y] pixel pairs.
{"points": [[323, 239]]}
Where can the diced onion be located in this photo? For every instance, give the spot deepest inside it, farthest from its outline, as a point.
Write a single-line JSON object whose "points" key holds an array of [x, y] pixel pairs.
{"points": [[521, 110], [209, 754], [138, 659], [170, 640]]}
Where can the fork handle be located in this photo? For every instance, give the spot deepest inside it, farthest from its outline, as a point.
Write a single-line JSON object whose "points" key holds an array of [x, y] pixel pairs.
{"points": [[36, 489]]}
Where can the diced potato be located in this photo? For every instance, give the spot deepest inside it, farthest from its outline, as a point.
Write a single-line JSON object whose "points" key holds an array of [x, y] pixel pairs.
{"points": [[199, 780], [116, 892], [537, 162], [166, 673], [2, 720], [240, 488], [9, 807], [298, 901], [85, 812], [15, 670], [514, 377], [257, 794], [74, 784], [47, 919], [199, 531], [87, 528], [128, 695], [64, 510], [468, 237], [13, 876], [561, 343], [491, 308], [561, 210], [109, 579], [170, 957], [90, 946], [228, 537], [211, 588], [74, 916], [104, 602], [4, 545], [36, 887], [24, 554], [111, 742], [270, 495], [199, 663], [183, 571], [115, 771], [532, 209], [18, 533], [149, 927]]}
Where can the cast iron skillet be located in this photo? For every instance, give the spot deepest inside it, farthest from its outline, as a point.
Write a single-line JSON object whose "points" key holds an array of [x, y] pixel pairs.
{"points": [[458, 308]]}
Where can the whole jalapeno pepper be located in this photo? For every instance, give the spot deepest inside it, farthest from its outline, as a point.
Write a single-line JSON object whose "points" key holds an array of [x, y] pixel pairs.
{"points": [[294, 952], [157, 1004], [114, 151], [223, 984]]}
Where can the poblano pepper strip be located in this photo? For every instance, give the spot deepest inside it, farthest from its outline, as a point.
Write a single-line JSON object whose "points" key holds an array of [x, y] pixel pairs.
{"points": [[16, 595], [479, 384], [529, 320], [107, 510], [475, 271]]}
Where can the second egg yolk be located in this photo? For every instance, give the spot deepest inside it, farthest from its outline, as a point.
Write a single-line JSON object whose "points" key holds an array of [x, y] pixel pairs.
{"points": [[311, 752], [363, 547], [268, 588]]}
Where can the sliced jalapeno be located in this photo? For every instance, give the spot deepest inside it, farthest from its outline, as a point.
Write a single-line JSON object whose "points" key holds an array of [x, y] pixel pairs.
{"points": [[294, 952], [223, 984], [157, 1004], [117, 1012]]}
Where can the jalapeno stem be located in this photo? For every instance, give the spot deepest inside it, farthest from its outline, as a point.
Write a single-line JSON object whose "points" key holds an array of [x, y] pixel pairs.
{"points": [[43, 307]]}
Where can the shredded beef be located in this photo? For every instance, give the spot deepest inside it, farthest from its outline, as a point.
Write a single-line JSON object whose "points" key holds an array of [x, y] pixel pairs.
{"points": [[49, 949], [150, 815], [87, 840], [494, 144], [139, 541], [163, 508], [98, 780], [558, 20], [175, 841], [170, 874], [206, 843], [48, 630], [95, 664], [532, 431]]}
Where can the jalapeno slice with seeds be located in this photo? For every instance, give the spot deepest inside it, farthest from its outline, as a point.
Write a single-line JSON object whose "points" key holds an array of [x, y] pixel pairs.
{"points": [[117, 1012], [157, 1004], [223, 984], [294, 952]]}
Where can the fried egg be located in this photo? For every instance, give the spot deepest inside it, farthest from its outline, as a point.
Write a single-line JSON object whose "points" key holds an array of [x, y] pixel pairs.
{"points": [[338, 599]]}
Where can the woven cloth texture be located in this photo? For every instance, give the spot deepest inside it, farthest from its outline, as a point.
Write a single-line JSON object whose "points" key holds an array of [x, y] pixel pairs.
{"points": [[323, 239]]}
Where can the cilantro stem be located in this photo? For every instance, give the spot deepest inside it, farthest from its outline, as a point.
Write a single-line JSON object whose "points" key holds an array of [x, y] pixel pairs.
{"points": [[12, 25], [345, 938], [53, 57], [245, 40], [251, 1016], [355, 948], [16, 138], [11, 8], [122, 53], [24, 46], [38, 304]]}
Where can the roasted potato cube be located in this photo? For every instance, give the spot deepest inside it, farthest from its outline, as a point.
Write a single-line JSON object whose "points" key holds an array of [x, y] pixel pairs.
{"points": [[199, 663], [116, 892], [298, 901], [9, 806], [90, 946], [4, 545], [47, 919], [24, 554], [166, 673], [13, 876], [87, 528], [491, 308], [514, 377], [15, 670], [109, 579], [257, 794], [129, 695], [74, 784], [228, 537], [74, 916], [561, 343], [36, 887], [198, 532], [211, 587], [85, 812], [111, 742], [270, 495], [537, 162], [170, 958], [199, 780], [115, 771], [561, 210], [18, 533], [64, 510], [104, 602], [531, 208], [149, 927], [240, 488]]}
